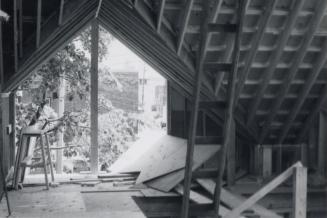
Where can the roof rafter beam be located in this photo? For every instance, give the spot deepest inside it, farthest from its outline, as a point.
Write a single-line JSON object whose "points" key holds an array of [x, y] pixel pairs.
{"points": [[268, 73], [314, 24], [305, 91], [160, 14], [321, 103], [185, 16], [255, 45]]}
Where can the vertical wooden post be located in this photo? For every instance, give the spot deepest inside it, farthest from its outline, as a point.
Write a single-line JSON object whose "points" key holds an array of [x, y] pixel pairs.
{"points": [[267, 161], [1, 56], [257, 160], [94, 97], [279, 159], [12, 121], [299, 192], [5, 128], [169, 108], [61, 11], [38, 22], [231, 156], [15, 37], [304, 154], [20, 21], [322, 143]]}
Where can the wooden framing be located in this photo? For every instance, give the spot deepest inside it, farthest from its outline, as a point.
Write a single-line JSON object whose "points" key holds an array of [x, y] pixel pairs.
{"points": [[1, 55], [94, 96], [268, 73], [317, 17], [15, 37], [312, 77], [229, 114], [160, 15], [61, 11], [185, 16], [20, 21], [300, 192], [255, 45], [38, 22], [194, 113], [231, 157], [322, 144]]}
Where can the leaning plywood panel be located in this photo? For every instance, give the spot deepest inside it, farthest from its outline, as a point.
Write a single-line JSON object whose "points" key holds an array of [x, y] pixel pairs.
{"points": [[169, 181]]}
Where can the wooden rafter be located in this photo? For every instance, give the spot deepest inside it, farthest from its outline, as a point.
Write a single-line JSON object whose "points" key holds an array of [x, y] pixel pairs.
{"points": [[315, 21], [320, 104], [268, 73], [185, 16], [38, 23], [254, 46], [160, 14], [312, 77], [195, 108]]}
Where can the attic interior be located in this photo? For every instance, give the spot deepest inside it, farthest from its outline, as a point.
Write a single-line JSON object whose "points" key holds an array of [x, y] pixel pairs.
{"points": [[247, 107]]}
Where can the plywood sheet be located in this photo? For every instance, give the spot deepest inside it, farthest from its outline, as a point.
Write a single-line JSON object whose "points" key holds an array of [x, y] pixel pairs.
{"points": [[167, 182]]}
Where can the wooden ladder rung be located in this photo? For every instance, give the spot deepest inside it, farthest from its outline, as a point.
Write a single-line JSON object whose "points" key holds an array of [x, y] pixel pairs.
{"points": [[212, 105], [214, 67], [227, 28]]}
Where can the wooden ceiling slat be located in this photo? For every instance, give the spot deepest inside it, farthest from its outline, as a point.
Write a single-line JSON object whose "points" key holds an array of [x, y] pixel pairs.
{"points": [[320, 105], [269, 71], [314, 24], [185, 16], [264, 20], [160, 14], [304, 93]]}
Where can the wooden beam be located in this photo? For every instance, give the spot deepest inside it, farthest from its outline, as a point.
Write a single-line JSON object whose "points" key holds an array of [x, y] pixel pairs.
{"points": [[94, 97], [38, 22], [310, 119], [1, 55], [61, 11], [254, 46], [229, 114], [263, 191], [195, 109], [268, 73], [299, 192], [160, 14], [15, 37], [231, 157], [300, 54], [322, 144], [184, 18], [312, 77], [266, 161]]}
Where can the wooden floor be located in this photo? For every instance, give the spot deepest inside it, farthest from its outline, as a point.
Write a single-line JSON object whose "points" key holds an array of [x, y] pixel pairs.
{"points": [[68, 201]]}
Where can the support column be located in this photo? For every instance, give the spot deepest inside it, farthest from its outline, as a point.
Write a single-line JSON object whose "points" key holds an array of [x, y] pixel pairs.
{"points": [[322, 143], [258, 160], [231, 156], [266, 161], [300, 192], [6, 131], [12, 121], [94, 97]]}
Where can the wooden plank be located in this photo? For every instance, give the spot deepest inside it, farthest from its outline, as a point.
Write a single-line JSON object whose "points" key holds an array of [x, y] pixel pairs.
{"points": [[167, 182], [322, 144], [232, 200], [264, 20], [194, 196], [184, 18], [229, 114], [263, 191], [94, 97], [267, 161], [61, 11], [300, 192], [160, 14], [229, 28], [268, 73], [231, 157], [38, 22], [310, 80], [300, 54]]}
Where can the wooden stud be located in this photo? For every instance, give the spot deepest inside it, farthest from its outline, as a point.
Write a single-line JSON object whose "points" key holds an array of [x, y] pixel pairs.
{"points": [[313, 114], [312, 77], [254, 46], [1, 56], [266, 161], [15, 37], [194, 115], [12, 121], [185, 16], [61, 12], [300, 54], [160, 14], [20, 7], [38, 22], [322, 144], [94, 158], [231, 153], [299, 192]]}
